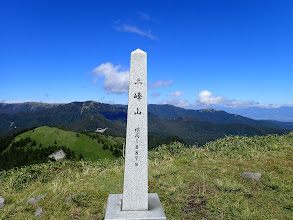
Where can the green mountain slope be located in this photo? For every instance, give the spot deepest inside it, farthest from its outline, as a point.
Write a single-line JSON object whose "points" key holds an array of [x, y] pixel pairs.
{"points": [[80, 144], [80, 110], [193, 127], [194, 130], [77, 116], [192, 183], [213, 116]]}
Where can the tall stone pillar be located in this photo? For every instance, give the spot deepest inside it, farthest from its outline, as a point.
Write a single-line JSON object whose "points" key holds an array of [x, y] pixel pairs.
{"points": [[136, 202], [135, 189]]}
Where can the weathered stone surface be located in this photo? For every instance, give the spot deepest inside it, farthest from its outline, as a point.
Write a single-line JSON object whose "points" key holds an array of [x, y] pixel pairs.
{"points": [[135, 188], [154, 212], [135, 202], [2, 202], [248, 175], [58, 155], [38, 212], [35, 200]]}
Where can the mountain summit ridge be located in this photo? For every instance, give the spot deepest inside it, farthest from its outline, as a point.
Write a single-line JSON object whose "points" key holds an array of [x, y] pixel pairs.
{"points": [[194, 126]]}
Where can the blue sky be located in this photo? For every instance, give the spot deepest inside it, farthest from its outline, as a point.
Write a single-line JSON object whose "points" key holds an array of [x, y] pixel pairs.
{"points": [[201, 53]]}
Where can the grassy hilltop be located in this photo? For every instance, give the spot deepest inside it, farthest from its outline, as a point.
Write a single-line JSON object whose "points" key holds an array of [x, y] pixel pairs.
{"points": [[192, 183], [33, 146], [89, 147]]}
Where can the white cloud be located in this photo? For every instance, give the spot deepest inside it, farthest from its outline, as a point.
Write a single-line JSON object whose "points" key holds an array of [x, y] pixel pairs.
{"points": [[207, 98], [160, 83], [134, 29], [177, 94], [115, 80], [236, 103], [182, 103]]}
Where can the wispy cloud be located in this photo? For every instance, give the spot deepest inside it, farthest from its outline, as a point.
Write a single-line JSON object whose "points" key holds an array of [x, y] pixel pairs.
{"points": [[177, 94], [207, 98], [115, 80], [182, 103], [146, 17], [134, 29], [160, 83]]}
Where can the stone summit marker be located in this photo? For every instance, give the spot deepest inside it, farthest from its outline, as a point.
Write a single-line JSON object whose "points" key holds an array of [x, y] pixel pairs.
{"points": [[136, 202]]}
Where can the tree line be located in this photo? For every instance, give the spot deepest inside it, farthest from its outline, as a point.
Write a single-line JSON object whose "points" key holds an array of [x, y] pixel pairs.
{"points": [[18, 156], [116, 149], [6, 141]]}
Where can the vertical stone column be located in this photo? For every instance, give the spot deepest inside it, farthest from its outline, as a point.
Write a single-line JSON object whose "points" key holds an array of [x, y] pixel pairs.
{"points": [[135, 189], [136, 202]]}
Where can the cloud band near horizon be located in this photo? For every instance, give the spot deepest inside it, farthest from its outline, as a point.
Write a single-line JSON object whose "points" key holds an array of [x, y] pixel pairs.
{"points": [[116, 81]]}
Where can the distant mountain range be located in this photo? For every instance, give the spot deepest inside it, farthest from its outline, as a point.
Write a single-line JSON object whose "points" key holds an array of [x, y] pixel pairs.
{"points": [[77, 116], [194, 126], [213, 116], [24, 107], [284, 114]]}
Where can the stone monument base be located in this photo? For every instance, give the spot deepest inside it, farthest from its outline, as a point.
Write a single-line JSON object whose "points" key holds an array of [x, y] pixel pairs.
{"points": [[155, 212]]}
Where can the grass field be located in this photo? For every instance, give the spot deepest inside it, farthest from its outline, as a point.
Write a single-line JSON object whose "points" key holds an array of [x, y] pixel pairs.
{"points": [[192, 183], [88, 147], [110, 139]]}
